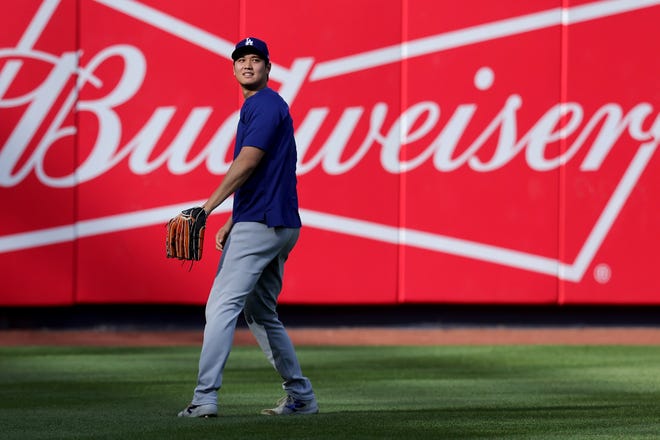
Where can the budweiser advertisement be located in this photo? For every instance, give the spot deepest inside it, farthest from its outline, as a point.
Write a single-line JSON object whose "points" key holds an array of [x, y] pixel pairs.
{"points": [[448, 152]]}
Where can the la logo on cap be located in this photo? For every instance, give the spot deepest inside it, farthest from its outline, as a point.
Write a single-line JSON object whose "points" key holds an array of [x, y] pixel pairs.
{"points": [[249, 42]]}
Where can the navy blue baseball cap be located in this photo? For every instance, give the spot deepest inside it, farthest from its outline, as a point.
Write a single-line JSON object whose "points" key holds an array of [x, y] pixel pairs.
{"points": [[250, 45]]}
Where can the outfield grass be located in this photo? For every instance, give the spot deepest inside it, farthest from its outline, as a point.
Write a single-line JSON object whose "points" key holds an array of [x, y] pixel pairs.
{"points": [[410, 393]]}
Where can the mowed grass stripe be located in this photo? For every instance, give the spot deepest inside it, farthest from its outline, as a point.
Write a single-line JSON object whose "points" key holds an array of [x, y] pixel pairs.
{"points": [[463, 392]]}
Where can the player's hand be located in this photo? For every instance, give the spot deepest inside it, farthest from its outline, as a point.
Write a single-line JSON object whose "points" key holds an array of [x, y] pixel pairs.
{"points": [[222, 234]]}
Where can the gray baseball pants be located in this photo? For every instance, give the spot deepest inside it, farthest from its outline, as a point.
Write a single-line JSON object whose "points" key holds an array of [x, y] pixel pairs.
{"points": [[249, 278]]}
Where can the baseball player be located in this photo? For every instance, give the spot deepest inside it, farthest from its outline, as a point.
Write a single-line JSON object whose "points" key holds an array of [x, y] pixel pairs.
{"points": [[255, 241]]}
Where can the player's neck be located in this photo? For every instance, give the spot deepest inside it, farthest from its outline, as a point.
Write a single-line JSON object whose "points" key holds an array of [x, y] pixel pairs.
{"points": [[249, 91]]}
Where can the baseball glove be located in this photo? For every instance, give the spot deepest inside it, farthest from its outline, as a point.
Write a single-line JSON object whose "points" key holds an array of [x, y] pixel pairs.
{"points": [[185, 234]]}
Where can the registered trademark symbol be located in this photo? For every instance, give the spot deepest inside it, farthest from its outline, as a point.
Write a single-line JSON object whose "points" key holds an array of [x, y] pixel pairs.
{"points": [[602, 273]]}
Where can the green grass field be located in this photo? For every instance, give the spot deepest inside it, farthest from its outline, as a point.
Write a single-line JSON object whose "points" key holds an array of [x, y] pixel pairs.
{"points": [[476, 392]]}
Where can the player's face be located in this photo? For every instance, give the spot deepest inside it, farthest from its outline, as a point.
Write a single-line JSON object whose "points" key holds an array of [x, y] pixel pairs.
{"points": [[251, 72]]}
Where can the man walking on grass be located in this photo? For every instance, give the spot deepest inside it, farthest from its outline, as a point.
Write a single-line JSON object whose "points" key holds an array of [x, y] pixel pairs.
{"points": [[255, 241]]}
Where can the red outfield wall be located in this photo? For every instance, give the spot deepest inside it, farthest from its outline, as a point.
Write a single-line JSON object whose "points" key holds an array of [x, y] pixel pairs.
{"points": [[474, 152]]}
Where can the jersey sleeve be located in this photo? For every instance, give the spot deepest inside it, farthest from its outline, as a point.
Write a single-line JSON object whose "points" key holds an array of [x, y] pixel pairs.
{"points": [[263, 124]]}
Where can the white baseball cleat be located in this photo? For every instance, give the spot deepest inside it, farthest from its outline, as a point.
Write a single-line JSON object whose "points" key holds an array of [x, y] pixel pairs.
{"points": [[288, 406], [205, 410]]}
